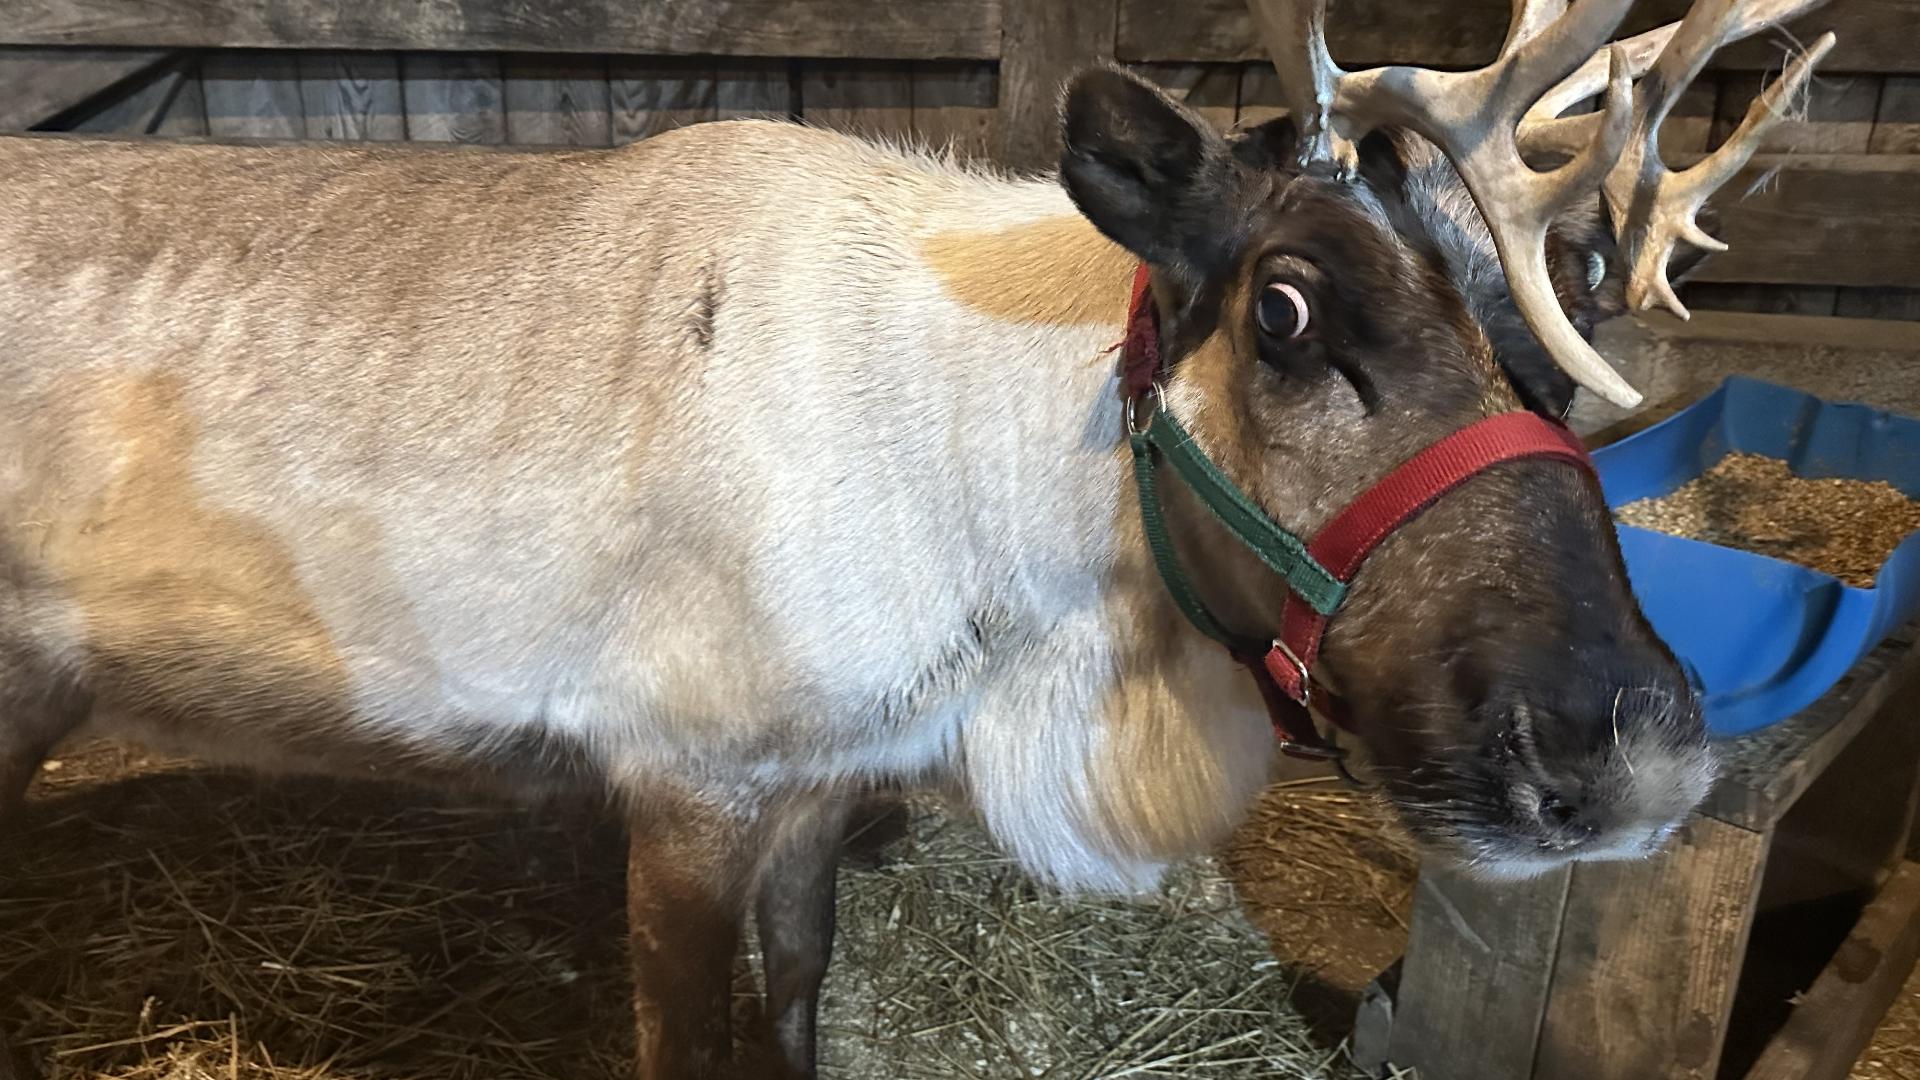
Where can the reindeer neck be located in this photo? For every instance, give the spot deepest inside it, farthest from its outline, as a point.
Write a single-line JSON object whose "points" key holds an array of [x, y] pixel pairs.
{"points": [[1044, 297]]}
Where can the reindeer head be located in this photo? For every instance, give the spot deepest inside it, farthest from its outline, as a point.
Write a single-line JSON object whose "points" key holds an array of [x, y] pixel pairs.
{"points": [[1344, 287]]}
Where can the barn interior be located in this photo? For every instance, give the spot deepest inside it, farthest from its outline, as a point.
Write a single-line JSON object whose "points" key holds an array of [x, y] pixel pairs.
{"points": [[162, 920]]}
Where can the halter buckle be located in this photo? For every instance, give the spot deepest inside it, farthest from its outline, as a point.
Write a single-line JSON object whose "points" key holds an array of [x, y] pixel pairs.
{"points": [[1300, 668], [1155, 391]]}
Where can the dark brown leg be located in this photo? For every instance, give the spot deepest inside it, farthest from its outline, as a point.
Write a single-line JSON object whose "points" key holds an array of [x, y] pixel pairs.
{"points": [[794, 914], [33, 717], [688, 872]]}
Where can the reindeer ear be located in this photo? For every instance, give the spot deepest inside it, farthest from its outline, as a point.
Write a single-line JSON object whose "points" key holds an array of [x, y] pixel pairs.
{"points": [[1147, 172]]}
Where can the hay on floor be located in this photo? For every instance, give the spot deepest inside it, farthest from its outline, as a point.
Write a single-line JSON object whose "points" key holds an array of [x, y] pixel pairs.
{"points": [[161, 922]]}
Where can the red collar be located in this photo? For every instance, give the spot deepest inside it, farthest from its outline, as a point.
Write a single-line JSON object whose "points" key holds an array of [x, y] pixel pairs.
{"points": [[1284, 671]]}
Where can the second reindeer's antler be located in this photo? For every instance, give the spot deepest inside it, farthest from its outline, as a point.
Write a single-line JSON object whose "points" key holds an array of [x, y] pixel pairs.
{"points": [[1554, 57]]}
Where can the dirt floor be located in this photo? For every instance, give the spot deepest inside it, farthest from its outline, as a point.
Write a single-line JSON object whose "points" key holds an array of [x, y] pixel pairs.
{"points": [[160, 921]]}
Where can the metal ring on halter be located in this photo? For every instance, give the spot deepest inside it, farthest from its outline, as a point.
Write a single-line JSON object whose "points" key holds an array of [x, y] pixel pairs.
{"points": [[1306, 681], [1134, 427]]}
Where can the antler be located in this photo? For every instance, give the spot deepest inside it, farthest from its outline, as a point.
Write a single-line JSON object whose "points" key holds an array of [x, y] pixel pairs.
{"points": [[1553, 57], [1544, 122], [1653, 207], [1473, 116]]}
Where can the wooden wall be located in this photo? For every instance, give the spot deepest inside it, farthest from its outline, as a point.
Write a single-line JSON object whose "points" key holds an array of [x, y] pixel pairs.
{"points": [[1838, 231], [539, 99]]}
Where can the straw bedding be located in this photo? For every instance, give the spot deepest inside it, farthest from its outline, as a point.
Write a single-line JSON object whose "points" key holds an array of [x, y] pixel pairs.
{"points": [[163, 922]]}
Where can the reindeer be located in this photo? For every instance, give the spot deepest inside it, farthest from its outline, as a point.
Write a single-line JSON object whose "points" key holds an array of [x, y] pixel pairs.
{"points": [[740, 469]]}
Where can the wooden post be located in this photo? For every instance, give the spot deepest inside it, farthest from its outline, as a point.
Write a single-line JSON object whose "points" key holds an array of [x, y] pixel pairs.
{"points": [[1650, 955], [1479, 962], [1043, 42]]}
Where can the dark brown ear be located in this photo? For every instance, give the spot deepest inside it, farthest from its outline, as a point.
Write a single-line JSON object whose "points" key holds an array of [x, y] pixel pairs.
{"points": [[1146, 171]]}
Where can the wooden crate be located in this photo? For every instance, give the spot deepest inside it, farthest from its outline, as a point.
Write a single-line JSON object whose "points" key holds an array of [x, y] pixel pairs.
{"points": [[1789, 885]]}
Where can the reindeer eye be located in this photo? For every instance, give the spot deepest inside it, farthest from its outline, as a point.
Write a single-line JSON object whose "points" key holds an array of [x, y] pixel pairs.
{"points": [[1282, 310], [1596, 270]]}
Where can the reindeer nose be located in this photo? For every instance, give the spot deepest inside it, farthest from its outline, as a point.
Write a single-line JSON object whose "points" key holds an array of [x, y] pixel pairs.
{"points": [[1560, 823], [1603, 767]]}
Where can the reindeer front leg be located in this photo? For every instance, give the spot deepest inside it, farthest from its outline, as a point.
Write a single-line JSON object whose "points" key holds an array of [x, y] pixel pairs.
{"points": [[794, 914], [689, 868]]}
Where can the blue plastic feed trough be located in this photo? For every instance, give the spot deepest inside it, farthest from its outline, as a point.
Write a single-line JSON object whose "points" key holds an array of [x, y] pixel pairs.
{"points": [[1765, 638]]}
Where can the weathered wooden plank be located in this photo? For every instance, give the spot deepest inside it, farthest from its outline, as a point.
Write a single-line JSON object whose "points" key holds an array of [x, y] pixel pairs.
{"points": [[652, 96], [38, 84], [756, 88], [1212, 90], [1045, 41], [1834, 1020], [186, 115], [873, 98], [953, 107], [1875, 35], [1689, 127], [1827, 219], [1479, 963], [1881, 303], [253, 96], [1838, 117], [453, 98], [1650, 953], [352, 97], [1767, 299], [1260, 98], [137, 112], [558, 101], [906, 29], [1896, 125]]}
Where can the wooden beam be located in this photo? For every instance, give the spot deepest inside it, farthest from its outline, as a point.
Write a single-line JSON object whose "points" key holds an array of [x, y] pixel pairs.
{"points": [[1822, 219], [1650, 954], [1045, 42], [902, 29], [1474, 982], [1836, 116], [1875, 35], [38, 84], [139, 111], [1835, 1019]]}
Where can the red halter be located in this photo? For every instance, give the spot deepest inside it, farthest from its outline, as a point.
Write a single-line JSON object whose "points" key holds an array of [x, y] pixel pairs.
{"points": [[1285, 671]]}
